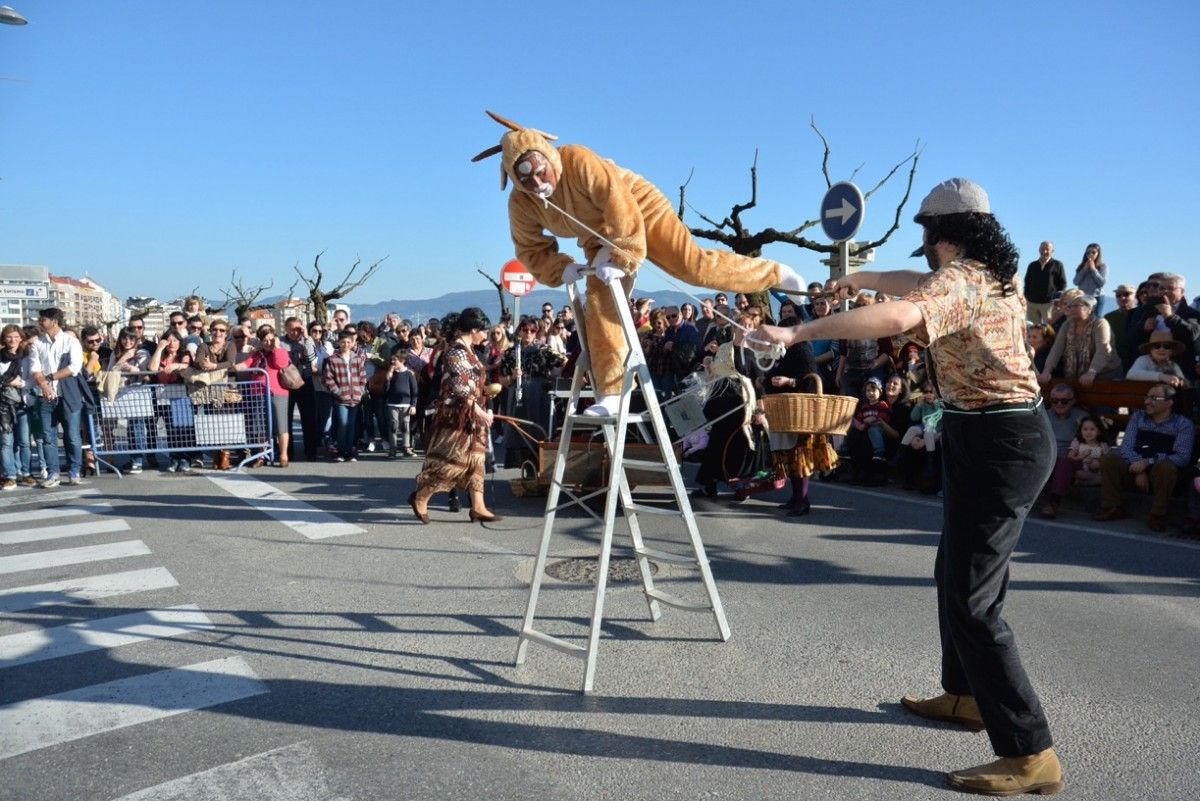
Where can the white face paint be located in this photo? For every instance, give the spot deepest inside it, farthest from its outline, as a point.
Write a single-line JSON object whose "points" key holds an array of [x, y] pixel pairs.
{"points": [[535, 175]]}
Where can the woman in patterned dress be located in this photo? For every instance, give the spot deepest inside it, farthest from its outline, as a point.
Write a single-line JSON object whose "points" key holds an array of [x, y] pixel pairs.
{"points": [[458, 441]]}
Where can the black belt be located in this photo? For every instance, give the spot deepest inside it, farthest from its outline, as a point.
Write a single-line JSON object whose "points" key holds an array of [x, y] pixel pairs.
{"points": [[1000, 408]]}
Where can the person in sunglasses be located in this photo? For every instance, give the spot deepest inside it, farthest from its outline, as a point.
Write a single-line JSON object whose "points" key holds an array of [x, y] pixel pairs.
{"points": [[1157, 362], [1156, 447]]}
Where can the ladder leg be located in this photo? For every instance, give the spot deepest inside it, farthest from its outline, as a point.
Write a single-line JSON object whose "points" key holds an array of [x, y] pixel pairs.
{"points": [[635, 535], [635, 529], [539, 566], [689, 520]]}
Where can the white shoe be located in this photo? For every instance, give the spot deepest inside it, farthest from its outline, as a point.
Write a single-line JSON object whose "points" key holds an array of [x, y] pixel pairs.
{"points": [[605, 406], [790, 279]]}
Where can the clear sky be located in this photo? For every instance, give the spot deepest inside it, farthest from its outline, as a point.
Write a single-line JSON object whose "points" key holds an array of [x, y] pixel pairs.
{"points": [[158, 145]]}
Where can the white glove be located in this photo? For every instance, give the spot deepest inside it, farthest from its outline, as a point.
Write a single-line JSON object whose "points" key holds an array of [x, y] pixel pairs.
{"points": [[571, 273], [609, 272]]}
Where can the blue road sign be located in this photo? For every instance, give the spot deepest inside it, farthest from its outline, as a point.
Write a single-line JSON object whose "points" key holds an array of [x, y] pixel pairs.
{"points": [[842, 211]]}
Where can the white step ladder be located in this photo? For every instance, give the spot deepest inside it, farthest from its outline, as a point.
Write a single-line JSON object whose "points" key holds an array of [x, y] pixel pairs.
{"points": [[614, 429]]}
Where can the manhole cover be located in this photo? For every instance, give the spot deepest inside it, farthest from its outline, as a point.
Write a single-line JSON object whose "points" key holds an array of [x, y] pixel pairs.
{"points": [[583, 570]]}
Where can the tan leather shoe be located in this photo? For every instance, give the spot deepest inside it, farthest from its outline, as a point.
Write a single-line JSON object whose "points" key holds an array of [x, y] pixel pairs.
{"points": [[960, 709], [1040, 774]]}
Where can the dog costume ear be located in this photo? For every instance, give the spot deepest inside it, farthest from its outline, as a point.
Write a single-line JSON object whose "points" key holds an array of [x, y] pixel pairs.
{"points": [[518, 141]]}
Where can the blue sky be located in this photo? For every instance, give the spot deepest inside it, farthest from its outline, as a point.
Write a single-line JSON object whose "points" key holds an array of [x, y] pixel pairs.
{"points": [[159, 145]]}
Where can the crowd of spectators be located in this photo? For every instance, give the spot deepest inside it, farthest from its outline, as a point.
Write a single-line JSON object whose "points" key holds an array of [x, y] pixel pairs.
{"points": [[367, 386]]}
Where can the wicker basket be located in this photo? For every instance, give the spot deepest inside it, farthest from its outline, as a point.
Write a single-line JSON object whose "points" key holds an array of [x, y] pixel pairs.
{"points": [[803, 413]]}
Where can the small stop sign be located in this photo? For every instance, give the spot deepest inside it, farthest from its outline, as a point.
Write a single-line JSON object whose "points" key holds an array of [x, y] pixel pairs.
{"points": [[516, 279]]}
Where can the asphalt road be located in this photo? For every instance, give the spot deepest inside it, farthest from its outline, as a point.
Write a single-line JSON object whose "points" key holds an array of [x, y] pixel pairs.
{"points": [[297, 635]]}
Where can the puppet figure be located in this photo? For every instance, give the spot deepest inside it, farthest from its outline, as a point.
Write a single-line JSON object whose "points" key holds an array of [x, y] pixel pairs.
{"points": [[628, 211]]}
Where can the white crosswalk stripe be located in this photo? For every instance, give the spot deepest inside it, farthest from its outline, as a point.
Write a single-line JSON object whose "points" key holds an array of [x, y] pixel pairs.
{"points": [[35, 723], [86, 588], [62, 532], [55, 512], [291, 773], [106, 632], [42, 722], [293, 513], [72, 556]]}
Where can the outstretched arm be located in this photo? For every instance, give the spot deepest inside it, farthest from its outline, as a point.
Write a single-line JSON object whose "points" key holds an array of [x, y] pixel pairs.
{"points": [[865, 322], [892, 282]]}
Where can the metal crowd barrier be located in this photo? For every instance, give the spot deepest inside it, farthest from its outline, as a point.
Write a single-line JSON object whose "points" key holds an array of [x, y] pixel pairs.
{"points": [[138, 418]]}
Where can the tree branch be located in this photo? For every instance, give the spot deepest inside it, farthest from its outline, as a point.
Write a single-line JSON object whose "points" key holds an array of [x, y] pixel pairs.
{"points": [[912, 174], [825, 159], [348, 285], [682, 189]]}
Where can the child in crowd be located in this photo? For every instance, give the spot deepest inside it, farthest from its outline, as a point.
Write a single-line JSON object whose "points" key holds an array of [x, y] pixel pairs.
{"points": [[1087, 448], [927, 419], [345, 373], [401, 402], [872, 411], [920, 457]]}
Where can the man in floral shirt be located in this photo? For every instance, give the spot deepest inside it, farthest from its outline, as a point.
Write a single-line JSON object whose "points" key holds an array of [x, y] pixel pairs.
{"points": [[998, 451]]}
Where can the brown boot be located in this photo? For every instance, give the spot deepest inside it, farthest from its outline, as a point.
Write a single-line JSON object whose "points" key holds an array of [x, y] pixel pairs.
{"points": [[1038, 773], [960, 709], [221, 462]]}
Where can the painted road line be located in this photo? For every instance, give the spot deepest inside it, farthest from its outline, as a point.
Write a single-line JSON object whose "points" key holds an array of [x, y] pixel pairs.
{"points": [[42, 722], [291, 773], [293, 513], [53, 512], [102, 633], [72, 556], [88, 588], [42, 496], [1076, 528], [18, 536]]}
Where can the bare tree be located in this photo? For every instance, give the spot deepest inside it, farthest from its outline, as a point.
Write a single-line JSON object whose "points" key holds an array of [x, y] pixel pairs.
{"points": [[499, 290], [733, 233], [241, 296], [319, 298]]}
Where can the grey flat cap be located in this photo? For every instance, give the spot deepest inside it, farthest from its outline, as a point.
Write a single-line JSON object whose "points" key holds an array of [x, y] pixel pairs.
{"points": [[954, 196]]}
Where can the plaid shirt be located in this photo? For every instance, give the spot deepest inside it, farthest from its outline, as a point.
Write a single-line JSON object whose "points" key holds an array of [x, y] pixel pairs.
{"points": [[346, 377]]}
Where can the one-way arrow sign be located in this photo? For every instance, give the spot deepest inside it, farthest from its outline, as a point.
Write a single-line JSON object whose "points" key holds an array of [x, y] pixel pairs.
{"points": [[842, 211]]}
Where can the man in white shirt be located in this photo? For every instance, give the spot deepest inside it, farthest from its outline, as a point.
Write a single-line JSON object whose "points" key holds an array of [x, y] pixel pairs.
{"points": [[55, 361]]}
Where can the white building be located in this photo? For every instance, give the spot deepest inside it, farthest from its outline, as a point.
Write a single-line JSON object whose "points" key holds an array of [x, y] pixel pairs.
{"points": [[24, 290]]}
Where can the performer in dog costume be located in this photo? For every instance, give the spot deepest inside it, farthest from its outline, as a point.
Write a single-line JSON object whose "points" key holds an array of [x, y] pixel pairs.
{"points": [[627, 210]]}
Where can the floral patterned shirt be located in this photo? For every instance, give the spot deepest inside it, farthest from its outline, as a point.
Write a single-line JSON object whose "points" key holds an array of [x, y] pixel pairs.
{"points": [[975, 335]]}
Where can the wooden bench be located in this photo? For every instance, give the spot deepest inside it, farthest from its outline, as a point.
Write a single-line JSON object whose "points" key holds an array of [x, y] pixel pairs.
{"points": [[1121, 397]]}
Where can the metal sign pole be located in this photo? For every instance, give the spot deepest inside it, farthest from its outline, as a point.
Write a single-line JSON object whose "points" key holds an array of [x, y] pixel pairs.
{"points": [[844, 266], [517, 317]]}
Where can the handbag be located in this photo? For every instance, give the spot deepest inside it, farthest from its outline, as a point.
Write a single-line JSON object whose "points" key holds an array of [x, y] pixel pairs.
{"points": [[290, 378]]}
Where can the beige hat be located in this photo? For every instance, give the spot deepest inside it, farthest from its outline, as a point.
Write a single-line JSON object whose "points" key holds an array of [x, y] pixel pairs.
{"points": [[1162, 336], [1071, 296]]}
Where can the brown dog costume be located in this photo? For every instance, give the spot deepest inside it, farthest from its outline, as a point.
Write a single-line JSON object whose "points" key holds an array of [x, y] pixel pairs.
{"points": [[632, 214]]}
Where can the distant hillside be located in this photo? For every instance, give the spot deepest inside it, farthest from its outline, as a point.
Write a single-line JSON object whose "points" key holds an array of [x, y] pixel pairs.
{"points": [[487, 300]]}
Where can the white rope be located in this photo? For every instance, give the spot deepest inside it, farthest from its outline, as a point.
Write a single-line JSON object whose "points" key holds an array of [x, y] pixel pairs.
{"points": [[764, 359]]}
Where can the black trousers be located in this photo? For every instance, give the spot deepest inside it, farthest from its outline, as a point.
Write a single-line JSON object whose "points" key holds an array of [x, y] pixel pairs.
{"points": [[306, 399], [993, 467]]}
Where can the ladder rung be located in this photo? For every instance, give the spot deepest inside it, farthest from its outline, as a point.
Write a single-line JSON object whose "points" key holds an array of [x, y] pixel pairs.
{"points": [[554, 642], [663, 556], [608, 420], [653, 510], [643, 464], [678, 603]]}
